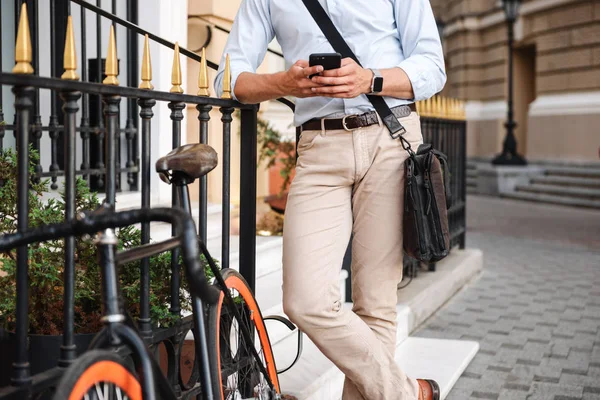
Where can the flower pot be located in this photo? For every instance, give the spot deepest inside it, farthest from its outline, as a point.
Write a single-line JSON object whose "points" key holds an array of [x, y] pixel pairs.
{"points": [[44, 352], [277, 202]]}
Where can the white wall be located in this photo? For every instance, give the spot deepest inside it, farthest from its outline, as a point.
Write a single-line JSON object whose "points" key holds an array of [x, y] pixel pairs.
{"points": [[167, 19]]}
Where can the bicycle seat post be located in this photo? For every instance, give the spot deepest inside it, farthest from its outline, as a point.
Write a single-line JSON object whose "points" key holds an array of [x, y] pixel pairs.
{"points": [[183, 192], [106, 243]]}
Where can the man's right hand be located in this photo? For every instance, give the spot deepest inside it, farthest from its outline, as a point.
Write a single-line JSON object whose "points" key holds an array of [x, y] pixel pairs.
{"points": [[255, 88], [296, 81]]}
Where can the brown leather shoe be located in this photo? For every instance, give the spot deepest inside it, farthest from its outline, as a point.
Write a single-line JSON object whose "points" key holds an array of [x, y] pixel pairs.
{"points": [[429, 389]]}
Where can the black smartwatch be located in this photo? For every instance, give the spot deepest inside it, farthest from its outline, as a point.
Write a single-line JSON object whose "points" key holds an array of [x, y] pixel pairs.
{"points": [[377, 82]]}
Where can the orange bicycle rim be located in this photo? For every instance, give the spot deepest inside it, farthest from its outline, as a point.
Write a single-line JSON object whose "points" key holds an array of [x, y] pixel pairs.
{"points": [[109, 372], [234, 282]]}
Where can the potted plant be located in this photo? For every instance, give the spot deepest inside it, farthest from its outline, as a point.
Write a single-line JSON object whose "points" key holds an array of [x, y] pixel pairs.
{"points": [[279, 156], [45, 275]]}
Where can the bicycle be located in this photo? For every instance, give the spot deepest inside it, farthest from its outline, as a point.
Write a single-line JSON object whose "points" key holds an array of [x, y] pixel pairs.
{"points": [[101, 372], [226, 372], [233, 368]]}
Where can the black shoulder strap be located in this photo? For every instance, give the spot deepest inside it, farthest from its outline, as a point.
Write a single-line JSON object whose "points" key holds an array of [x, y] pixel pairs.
{"points": [[339, 44]]}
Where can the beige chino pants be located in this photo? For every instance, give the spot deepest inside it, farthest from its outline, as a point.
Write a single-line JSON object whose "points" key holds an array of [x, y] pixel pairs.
{"points": [[349, 182]]}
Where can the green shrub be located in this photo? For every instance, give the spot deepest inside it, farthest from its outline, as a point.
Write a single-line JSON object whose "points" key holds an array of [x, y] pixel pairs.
{"points": [[46, 261]]}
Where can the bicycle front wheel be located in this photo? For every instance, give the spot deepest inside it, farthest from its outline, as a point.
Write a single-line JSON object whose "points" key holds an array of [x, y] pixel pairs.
{"points": [[238, 374], [98, 374]]}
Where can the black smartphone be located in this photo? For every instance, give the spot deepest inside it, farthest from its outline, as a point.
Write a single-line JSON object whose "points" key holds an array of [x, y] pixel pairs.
{"points": [[327, 60]]}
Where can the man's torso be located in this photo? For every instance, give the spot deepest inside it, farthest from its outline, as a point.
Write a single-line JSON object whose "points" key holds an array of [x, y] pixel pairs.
{"points": [[369, 28]]}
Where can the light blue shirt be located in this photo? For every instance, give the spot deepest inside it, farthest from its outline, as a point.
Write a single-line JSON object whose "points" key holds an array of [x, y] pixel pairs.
{"points": [[382, 34]]}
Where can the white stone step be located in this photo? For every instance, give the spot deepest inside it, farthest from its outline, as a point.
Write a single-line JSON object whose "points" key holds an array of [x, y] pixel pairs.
{"points": [[441, 360], [558, 190], [268, 248], [567, 181], [581, 172], [553, 199]]}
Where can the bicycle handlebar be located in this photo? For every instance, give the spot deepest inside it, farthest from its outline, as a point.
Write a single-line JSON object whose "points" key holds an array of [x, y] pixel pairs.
{"points": [[91, 223]]}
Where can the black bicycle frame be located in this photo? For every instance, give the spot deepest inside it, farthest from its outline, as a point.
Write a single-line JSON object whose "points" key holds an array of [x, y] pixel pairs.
{"points": [[119, 330], [180, 182]]}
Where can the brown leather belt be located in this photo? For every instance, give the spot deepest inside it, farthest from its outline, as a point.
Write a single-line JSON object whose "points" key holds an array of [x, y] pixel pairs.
{"points": [[351, 122]]}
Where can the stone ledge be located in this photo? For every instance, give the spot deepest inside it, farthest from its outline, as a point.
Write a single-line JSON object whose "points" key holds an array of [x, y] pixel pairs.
{"points": [[495, 180], [316, 378], [430, 291]]}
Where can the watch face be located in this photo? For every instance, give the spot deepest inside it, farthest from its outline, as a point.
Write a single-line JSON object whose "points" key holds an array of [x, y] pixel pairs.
{"points": [[377, 84]]}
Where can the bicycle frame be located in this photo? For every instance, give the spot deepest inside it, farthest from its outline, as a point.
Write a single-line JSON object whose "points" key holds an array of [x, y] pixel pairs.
{"points": [[181, 181], [118, 330]]}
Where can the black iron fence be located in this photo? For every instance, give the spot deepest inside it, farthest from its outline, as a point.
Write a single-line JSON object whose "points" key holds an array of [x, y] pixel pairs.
{"points": [[48, 128], [444, 126], [70, 95]]}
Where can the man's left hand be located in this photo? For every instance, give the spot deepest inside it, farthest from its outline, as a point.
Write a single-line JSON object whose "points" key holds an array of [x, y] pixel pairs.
{"points": [[348, 81]]}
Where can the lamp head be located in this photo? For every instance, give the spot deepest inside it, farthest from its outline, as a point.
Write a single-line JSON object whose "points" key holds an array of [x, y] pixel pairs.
{"points": [[511, 9]]}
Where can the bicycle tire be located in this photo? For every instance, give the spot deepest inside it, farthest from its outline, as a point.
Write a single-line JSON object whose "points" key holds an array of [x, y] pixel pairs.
{"points": [[95, 367], [235, 281]]}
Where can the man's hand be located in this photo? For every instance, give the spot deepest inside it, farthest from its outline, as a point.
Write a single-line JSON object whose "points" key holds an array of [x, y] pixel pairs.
{"points": [[296, 80], [348, 81]]}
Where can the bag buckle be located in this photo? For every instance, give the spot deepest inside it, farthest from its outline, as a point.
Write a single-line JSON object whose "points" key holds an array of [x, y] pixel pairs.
{"points": [[344, 122], [399, 133]]}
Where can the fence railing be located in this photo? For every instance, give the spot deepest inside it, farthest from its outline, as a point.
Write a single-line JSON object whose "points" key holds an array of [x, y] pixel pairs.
{"points": [[444, 125], [48, 130], [71, 94]]}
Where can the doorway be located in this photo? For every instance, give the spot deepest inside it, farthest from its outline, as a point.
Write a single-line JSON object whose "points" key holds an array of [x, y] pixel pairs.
{"points": [[524, 92]]}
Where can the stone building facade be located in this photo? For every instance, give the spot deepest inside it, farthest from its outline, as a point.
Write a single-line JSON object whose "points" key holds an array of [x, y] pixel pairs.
{"points": [[556, 75]]}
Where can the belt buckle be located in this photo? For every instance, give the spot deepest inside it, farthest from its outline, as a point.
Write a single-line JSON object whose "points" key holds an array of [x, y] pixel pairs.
{"points": [[344, 122]]}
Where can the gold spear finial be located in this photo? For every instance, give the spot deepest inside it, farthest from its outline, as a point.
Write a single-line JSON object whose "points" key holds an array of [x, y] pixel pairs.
{"points": [[23, 45], [112, 68], [203, 76], [463, 111], [146, 66], [227, 80], [419, 106], [445, 110], [70, 56], [176, 72], [454, 108], [438, 106], [427, 107]]}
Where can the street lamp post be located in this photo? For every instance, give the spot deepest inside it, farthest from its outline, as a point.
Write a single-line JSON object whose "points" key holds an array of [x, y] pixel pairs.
{"points": [[509, 154]]}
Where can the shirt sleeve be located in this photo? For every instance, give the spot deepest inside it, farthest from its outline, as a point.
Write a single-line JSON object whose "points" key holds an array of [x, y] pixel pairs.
{"points": [[420, 39], [250, 35]]}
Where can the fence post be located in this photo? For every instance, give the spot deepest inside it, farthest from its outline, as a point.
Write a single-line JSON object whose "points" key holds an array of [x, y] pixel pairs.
{"points": [[23, 107], [248, 162]]}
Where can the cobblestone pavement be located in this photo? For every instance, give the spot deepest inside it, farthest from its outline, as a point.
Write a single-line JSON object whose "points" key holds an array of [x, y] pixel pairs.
{"points": [[535, 310]]}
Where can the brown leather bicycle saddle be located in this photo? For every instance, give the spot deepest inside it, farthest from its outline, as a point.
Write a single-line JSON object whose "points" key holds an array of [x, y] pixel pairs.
{"points": [[193, 160]]}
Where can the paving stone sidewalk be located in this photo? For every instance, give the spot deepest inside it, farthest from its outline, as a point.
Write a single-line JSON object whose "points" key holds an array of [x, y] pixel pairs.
{"points": [[535, 311]]}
